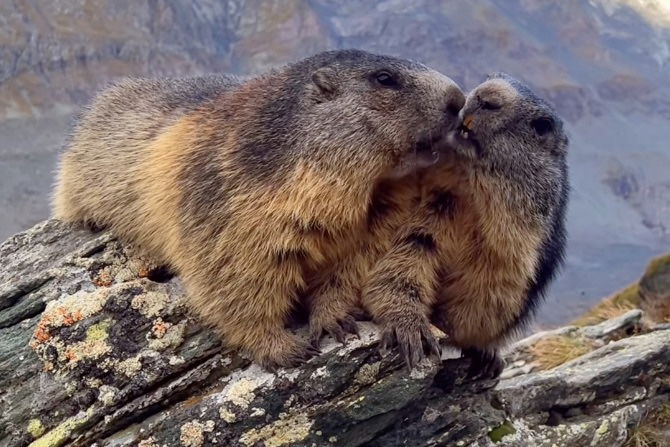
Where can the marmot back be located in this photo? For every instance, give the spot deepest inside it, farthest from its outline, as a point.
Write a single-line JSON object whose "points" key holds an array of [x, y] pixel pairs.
{"points": [[121, 121], [253, 191]]}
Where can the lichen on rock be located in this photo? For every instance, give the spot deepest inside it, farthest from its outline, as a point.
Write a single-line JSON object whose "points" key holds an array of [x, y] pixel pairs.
{"points": [[124, 364]]}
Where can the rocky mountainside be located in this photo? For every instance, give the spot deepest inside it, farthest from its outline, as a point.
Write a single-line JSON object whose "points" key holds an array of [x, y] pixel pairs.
{"points": [[97, 349], [603, 63]]}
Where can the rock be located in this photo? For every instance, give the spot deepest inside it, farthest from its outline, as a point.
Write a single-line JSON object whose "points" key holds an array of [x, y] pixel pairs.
{"points": [[97, 348]]}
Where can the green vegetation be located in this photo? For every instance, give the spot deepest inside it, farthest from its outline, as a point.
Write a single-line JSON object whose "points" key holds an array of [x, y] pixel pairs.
{"points": [[504, 429]]}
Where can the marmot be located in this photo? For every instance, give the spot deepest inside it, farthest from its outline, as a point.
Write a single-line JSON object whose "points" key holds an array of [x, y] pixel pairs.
{"points": [[251, 190], [488, 234]]}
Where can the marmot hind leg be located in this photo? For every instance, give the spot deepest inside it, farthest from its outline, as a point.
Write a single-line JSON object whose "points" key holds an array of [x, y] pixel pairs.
{"points": [[250, 313]]}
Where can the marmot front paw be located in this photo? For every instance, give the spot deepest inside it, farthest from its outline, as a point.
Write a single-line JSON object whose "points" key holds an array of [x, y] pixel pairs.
{"points": [[332, 318], [285, 351], [413, 335]]}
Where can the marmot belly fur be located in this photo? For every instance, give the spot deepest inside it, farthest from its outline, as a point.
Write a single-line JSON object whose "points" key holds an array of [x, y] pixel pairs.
{"points": [[251, 190]]}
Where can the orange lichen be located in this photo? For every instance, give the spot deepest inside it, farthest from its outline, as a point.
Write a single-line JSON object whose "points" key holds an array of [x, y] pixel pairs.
{"points": [[70, 355], [59, 316], [68, 318], [103, 279], [41, 334], [160, 328], [143, 271]]}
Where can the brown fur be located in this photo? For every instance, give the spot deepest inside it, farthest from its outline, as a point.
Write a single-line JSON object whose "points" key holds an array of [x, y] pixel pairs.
{"points": [[457, 252], [253, 192], [486, 236]]}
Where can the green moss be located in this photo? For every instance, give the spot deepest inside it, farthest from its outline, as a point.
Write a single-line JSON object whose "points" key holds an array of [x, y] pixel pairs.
{"points": [[504, 429]]}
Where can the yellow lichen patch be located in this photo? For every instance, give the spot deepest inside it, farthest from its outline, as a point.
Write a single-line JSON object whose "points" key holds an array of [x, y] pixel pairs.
{"points": [[367, 374], [92, 349], [151, 303], [59, 435], [193, 433], [67, 311], [173, 337], [283, 432], [614, 306], [107, 395], [94, 345], [551, 352], [130, 366], [35, 428], [241, 393], [227, 415], [98, 331], [149, 442]]}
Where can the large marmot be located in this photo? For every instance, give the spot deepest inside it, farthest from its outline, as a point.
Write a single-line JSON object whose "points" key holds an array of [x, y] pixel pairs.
{"points": [[252, 190]]}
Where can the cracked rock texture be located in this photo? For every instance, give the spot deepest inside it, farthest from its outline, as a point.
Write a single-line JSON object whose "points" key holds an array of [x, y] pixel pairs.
{"points": [[97, 349]]}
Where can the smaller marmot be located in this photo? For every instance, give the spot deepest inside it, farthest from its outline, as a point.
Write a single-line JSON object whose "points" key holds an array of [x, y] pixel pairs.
{"points": [[488, 234], [252, 190]]}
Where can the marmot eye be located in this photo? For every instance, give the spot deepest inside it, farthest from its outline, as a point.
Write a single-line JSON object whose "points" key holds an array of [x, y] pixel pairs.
{"points": [[385, 79], [543, 125], [487, 105]]}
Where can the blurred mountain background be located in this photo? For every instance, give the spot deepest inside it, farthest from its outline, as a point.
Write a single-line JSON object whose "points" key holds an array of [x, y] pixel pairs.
{"points": [[604, 64]]}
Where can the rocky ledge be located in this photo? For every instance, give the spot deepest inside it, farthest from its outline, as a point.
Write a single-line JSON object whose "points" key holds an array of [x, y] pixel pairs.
{"points": [[97, 349]]}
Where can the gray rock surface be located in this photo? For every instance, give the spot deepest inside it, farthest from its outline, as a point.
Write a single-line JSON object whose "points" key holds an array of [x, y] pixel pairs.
{"points": [[97, 348]]}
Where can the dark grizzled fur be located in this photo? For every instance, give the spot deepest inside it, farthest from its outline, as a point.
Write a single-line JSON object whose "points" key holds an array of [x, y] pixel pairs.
{"points": [[442, 203], [549, 202], [420, 240], [264, 152], [550, 262]]}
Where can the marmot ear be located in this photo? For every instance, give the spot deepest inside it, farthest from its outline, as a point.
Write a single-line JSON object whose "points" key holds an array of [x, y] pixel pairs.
{"points": [[325, 79]]}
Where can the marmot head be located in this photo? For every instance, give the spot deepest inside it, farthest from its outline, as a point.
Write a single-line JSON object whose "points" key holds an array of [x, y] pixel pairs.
{"points": [[381, 114], [509, 131], [504, 121]]}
